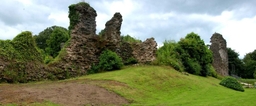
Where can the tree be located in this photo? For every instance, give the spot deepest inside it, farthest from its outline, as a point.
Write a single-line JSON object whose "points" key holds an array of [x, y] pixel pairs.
{"points": [[250, 65], [235, 65], [195, 55], [168, 55], [56, 40], [44, 36]]}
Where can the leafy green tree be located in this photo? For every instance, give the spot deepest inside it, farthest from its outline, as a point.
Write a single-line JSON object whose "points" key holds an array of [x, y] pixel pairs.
{"points": [[56, 40], [250, 65], [235, 65], [195, 55], [167, 55], [44, 36]]}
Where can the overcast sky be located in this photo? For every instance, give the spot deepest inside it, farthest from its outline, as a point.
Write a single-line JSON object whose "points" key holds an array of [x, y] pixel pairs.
{"points": [[161, 19]]}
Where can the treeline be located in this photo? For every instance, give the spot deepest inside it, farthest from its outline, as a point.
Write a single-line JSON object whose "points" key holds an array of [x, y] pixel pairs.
{"points": [[190, 54], [245, 68]]}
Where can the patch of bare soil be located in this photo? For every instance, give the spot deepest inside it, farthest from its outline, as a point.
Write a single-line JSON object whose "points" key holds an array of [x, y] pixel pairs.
{"points": [[64, 93]]}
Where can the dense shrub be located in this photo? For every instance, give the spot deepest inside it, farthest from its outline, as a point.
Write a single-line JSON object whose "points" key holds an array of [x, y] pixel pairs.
{"points": [[108, 61], [21, 48], [212, 71], [232, 83], [190, 54], [130, 39], [167, 55], [130, 61], [22, 59]]}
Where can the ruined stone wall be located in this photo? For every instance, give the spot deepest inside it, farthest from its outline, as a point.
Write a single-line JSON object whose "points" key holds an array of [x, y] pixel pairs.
{"points": [[78, 54], [220, 56], [146, 51], [85, 47], [143, 52]]}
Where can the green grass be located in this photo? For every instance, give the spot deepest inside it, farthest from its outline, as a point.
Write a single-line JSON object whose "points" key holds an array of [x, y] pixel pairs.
{"points": [[157, 85], [163, 86]]}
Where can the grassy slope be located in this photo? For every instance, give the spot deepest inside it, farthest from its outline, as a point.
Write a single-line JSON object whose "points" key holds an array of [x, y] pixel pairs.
{"points": [[155, 85]]}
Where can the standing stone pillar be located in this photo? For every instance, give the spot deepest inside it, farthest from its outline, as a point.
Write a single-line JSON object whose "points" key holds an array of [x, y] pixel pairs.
{"points": [[220, 55]]}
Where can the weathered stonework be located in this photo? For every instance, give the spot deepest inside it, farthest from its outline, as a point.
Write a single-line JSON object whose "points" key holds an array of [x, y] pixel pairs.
{"points": [[85, 46], [112, 30], [146, 51], [220, 56], [82, 51]]}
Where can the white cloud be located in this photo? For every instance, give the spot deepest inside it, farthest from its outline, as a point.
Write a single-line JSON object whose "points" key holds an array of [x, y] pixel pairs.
{"points": [[101, 19], [240, 34], [163, 20], [7, 32], [25, 2], [162, 16], [59, 18], [126, 7]]}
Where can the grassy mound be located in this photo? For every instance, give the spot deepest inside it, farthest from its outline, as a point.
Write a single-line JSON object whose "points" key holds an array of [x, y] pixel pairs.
{"points": [[156, 85]]}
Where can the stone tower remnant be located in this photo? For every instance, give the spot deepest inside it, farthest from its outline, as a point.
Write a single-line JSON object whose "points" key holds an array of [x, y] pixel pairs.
{"points": [[220, 55]]}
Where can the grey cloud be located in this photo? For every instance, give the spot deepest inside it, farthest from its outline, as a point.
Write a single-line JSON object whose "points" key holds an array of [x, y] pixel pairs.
{"points": [[20, 14], [213, 7], [138, 23]]}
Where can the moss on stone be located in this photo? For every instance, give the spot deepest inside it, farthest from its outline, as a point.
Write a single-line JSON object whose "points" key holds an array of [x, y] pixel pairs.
{"points": [[74, 15]]}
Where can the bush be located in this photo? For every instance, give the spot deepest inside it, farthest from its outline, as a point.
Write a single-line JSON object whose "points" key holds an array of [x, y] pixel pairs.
{"points": [[167, 55], [94, 69], [130, 39], [232, 83], [48, 59], [25, 47], [108, 61], [193, 67], [130, 61], [212, 71]]}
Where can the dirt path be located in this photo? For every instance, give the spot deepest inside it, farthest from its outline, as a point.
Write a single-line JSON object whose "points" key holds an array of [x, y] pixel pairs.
{"points": [[64, 93]]}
